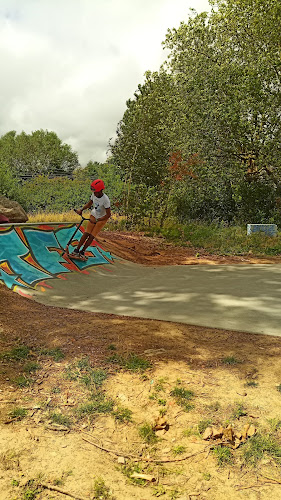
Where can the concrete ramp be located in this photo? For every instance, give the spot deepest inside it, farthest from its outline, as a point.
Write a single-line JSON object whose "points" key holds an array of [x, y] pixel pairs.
{"points": [[30, 254], [232, 297]]}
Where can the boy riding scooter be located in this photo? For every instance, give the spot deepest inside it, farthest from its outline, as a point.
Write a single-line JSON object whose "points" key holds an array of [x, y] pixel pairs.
{"points": [[99, 216]]}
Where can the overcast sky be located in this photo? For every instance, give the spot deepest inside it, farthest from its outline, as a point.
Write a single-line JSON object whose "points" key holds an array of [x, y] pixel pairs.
{"points": [[70, 65]]}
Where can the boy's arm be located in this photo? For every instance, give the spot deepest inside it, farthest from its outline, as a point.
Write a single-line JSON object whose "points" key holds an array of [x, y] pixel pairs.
{"points": [[106, 216], [88, 205]]}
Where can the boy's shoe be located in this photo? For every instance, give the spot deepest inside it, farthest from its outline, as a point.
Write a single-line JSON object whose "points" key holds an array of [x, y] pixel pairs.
{"points": [[82, 255]]}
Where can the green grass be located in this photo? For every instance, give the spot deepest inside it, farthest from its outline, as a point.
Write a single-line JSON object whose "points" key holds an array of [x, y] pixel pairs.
{"points": [[98, 405], [132, 362], [59, 418], [18, 353], [102, 491], [128, 471], [182, 397], [230, 360], [260, 445], [251, 383], [223, 455], [55, 353], [82, 371], [275, 424], [202, 425], [238, 411], [178, 450], [23, 381], [30, 367], [215, 238], [18, 413], [147, 433], [279, 388], [123, 415]]}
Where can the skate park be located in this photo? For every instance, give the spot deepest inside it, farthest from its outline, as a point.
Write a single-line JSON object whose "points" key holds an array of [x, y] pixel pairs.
{"points": [[242, 297]]}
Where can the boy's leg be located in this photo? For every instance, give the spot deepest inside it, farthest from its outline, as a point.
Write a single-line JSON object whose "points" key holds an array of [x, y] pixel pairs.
{"points": [[96, 229], [82, 240]]}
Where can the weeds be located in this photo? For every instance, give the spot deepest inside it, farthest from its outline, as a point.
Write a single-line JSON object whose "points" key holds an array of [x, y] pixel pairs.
{"points": [[257, 446], [23, 381], [101, 491], [31, 367], [182, 396], [56, 390], [223, 455], [123, 415], [230, 360], [129, 469], [251, 383], [59, 418], [202, 425], [178, 450], [55, 353], [18, 413], [132, 363], [84, 373], [98, 405], [147, 433], [18, 353], [275, 424], [238, 411]]}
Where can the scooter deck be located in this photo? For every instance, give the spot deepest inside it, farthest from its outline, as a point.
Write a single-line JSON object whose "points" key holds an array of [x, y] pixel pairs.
{"points": [[77, 257]]}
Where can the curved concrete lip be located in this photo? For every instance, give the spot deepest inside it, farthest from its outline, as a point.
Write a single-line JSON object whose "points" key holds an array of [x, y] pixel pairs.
{"points": [[233, 297]]}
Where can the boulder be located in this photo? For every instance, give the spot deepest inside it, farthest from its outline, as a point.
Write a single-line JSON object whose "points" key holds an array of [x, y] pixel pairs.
{"points": [[12, 210]]}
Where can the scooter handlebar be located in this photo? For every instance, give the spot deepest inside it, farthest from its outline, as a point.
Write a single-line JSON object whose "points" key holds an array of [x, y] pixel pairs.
{"points": [[83, 218]]}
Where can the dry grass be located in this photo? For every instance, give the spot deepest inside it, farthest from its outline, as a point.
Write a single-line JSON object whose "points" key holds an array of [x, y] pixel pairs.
{"points": [[69, 216]]}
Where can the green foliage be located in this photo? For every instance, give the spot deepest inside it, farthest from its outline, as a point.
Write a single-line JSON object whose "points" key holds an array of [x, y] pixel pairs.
{"points": [[40, 152], [55, 353], [179, 450], [238, 411], [128, 471], [216, 99], [18, 413], [251, 383], [59, 418], [216, 238], [182, 396], [84, 373], [23, 381], [123, 415], [17, 353], [203, 424], [55, 195], [258, 446], [102, 491], [146, 432], [223, 455], [9, 185], [231, 360], [32, 366], [132, 362], [98, 405]]}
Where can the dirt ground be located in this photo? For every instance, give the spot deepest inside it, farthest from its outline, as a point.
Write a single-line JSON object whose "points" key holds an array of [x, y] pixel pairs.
{"points": [[54, 444]]}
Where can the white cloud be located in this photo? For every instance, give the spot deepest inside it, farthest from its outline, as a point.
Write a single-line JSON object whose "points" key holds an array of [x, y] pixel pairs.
{"points": [[70, 66]]}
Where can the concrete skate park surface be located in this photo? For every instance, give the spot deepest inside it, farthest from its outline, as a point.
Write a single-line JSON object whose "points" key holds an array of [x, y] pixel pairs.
{"points": [[234, 297], [245, 298]]}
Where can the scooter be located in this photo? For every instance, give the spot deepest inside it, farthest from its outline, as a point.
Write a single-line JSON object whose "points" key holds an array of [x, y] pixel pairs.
{"points": [[74, 255]]}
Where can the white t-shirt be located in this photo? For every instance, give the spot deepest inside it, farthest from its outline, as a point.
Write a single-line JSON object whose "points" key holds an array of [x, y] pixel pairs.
{"points": [[99, 205]]}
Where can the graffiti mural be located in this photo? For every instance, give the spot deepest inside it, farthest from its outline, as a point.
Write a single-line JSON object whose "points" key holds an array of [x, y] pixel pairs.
{"points": [[33, 253]]}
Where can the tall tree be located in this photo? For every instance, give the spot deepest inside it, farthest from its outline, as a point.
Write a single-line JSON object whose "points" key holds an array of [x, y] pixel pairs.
{"points": [[40, 152]]}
